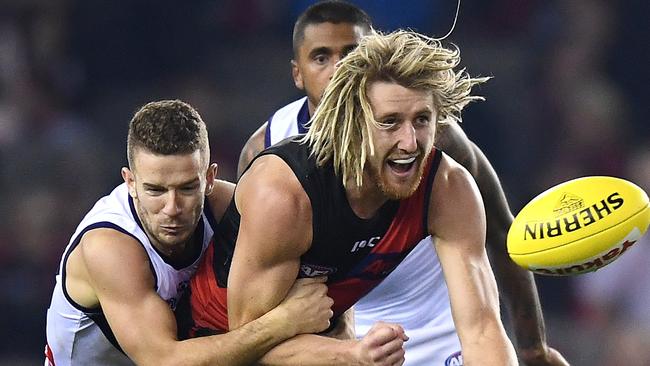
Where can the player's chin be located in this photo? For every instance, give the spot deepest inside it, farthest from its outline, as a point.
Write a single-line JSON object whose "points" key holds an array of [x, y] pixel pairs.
{"points": [[400, 184], [397, 189], [174, 239]]}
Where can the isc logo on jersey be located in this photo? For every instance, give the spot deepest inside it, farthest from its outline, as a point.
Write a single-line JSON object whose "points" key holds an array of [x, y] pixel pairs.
{"points": [[455, 359], [365, 243]]}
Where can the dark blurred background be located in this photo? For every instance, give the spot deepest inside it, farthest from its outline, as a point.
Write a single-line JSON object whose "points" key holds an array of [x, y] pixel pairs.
{"points": [[568, 99]]}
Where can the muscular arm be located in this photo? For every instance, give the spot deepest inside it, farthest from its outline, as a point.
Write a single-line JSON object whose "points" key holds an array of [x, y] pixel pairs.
{"points": [[458, 225], [275, 230], [516, 284], [116, 270], [253, 146]]}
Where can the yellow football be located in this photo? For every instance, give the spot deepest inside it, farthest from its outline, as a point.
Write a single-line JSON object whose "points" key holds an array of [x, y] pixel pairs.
{"points": [[579, 226]]}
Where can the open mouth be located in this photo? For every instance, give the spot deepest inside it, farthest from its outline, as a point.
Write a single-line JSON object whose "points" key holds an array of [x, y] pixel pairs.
{"points": [[402, 166]]}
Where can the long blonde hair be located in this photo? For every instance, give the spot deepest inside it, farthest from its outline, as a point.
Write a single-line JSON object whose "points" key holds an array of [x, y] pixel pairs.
{"points": [[340, 130]]}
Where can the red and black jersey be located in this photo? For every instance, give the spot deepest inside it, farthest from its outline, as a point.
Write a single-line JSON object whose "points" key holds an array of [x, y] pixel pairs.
{"points": [[355, 253]]}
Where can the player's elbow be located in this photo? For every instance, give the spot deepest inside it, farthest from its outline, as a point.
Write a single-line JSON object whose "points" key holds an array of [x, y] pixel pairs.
{"points": [[237, 319], [485, 336], [172, 353]]}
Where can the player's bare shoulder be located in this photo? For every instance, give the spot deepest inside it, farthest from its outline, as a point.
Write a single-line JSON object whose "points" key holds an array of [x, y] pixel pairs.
{"points": [[101, 255], [253, 146], [454, 194], [451, 176], [269, 192], [270, 179]]}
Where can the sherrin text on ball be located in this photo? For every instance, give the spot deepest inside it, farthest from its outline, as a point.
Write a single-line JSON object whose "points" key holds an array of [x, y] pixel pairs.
{"points": [[579, 226]]}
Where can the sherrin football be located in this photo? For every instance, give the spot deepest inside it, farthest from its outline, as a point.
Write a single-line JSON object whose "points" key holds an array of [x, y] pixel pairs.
{"points": [[579, 226]]}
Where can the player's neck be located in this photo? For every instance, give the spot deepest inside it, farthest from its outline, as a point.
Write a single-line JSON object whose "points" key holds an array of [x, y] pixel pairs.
{"points": [[170, 252], [311, 108], [176, 254], [365, 200]]}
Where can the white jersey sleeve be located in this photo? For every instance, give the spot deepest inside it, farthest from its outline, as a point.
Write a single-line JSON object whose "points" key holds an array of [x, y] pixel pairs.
{"points": [[287, 121]]}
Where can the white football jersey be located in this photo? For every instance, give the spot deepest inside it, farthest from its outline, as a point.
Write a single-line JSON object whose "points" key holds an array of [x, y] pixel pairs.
{"points": [[82, 336]]}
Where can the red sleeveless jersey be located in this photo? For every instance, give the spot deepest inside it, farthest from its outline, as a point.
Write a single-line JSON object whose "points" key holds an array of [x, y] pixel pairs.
{"points": [[354, 253]]}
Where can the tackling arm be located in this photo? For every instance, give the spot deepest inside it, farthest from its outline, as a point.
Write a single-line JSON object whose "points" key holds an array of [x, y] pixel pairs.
{"points": [[116, 268]]}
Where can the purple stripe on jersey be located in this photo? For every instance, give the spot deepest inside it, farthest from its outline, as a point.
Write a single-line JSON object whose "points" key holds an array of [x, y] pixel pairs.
{"points": [[75, 243], [134, 213], [301, 120], [303, 117], [267, 134]]}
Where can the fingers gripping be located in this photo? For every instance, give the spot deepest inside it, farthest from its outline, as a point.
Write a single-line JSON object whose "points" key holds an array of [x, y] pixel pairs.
{"points": [[385, 343]]}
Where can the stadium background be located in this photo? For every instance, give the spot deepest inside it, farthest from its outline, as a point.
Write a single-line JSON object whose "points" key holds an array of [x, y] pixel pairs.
{"points": [[568, 99]]}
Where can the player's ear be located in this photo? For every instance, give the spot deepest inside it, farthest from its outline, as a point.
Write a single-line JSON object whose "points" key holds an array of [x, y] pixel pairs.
{"points": [[129, 179], [210, 177], [297, 76]]}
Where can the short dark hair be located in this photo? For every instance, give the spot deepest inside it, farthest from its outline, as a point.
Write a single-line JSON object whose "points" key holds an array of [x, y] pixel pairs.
{"points": [[329, 11], [167, 127]]}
